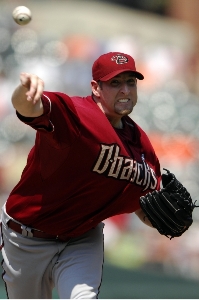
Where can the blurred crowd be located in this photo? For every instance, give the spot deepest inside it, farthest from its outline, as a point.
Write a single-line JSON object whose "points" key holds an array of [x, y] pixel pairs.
{"points": [[167, 110]]}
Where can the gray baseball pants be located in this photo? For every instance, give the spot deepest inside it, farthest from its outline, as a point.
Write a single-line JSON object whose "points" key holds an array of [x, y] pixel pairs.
{"points": [[34, 266]]}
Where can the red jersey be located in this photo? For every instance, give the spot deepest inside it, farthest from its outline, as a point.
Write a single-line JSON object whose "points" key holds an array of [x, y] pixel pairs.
{"points": [[81, 170]]}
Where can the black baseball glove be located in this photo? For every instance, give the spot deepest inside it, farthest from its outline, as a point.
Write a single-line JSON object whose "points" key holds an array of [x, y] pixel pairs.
{"points": [[170, 209]]}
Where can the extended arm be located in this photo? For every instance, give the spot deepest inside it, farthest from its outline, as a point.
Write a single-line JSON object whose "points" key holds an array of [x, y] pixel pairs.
{"points": [[26, 98]]}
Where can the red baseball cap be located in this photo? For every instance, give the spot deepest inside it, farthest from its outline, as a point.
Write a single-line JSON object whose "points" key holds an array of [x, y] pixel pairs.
{"points": [[113, 63]]}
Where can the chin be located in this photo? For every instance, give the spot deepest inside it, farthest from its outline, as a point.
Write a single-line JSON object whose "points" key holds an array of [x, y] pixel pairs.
{"points": [[125, 112]]}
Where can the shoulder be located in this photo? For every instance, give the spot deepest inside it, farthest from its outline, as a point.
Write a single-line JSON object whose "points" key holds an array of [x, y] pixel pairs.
{"points": [[64, 98], [56, 96], [60, 100]]}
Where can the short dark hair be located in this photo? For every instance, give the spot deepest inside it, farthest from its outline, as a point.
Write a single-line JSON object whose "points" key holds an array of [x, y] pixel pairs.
{"points": [[100, 83]]}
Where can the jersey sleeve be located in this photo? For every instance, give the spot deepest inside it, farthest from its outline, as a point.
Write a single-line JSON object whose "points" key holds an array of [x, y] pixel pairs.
{"points": [[59, 115], [42, 122]]}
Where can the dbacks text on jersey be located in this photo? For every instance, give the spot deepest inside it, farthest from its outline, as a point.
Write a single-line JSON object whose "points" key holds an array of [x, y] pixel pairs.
{"points": [[111, 164]]}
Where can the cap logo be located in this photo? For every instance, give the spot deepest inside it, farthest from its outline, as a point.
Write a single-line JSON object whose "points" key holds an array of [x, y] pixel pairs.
{"points": [[120, 59]]}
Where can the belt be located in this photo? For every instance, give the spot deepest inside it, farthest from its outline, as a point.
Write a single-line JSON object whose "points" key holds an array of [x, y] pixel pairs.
{"points": [[30, 232]]}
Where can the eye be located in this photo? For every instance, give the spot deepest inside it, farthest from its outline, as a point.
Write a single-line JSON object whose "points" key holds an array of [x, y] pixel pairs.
{"points": [[132, 81], [115, 82]]}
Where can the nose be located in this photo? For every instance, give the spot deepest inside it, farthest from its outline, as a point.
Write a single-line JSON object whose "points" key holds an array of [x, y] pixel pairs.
{"points": [[124, 89]]}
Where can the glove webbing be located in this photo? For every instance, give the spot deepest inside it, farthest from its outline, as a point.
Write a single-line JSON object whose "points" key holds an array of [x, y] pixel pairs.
{"points": [[170, 183], [155, 218]]}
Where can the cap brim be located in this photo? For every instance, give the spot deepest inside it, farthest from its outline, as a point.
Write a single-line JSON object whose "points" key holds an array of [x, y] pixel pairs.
{"points": [[115, 73]]}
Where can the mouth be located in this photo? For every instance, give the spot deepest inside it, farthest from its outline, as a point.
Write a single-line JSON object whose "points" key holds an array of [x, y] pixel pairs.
{"points": [[123, 100]]}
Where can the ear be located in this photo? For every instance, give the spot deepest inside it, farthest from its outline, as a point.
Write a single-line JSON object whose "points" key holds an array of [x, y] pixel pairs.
{"points": [[95, 88]]}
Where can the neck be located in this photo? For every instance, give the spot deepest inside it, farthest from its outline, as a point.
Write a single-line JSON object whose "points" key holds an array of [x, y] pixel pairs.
{"points": [[116, 123]]}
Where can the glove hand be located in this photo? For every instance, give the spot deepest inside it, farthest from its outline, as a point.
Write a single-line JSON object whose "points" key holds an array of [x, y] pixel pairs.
{"points": [[170, 209]]}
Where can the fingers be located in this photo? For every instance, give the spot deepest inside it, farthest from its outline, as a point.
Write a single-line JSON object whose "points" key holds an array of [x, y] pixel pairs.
{"points": [[34, 85]]}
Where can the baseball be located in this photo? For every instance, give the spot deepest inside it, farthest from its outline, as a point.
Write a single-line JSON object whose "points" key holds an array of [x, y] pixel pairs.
{"points": [[22, 15]]}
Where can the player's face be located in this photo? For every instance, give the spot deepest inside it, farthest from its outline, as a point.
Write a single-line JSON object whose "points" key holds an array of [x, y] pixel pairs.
{"points": [[118, 96]]}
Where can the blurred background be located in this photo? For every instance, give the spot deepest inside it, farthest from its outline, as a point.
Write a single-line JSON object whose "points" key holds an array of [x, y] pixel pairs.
{"points": [[60, 45]]}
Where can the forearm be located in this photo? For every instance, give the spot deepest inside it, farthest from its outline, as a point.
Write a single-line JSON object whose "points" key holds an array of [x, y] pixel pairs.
{"points": [[23, 106], [26, 98], [142, 216]]}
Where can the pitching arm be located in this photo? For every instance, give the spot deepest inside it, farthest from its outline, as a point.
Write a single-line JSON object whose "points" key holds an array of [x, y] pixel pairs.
{"points": [[26, 98]]}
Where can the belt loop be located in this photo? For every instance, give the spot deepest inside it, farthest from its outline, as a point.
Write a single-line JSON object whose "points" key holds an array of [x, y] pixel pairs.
{"points": [[26, 231]]}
